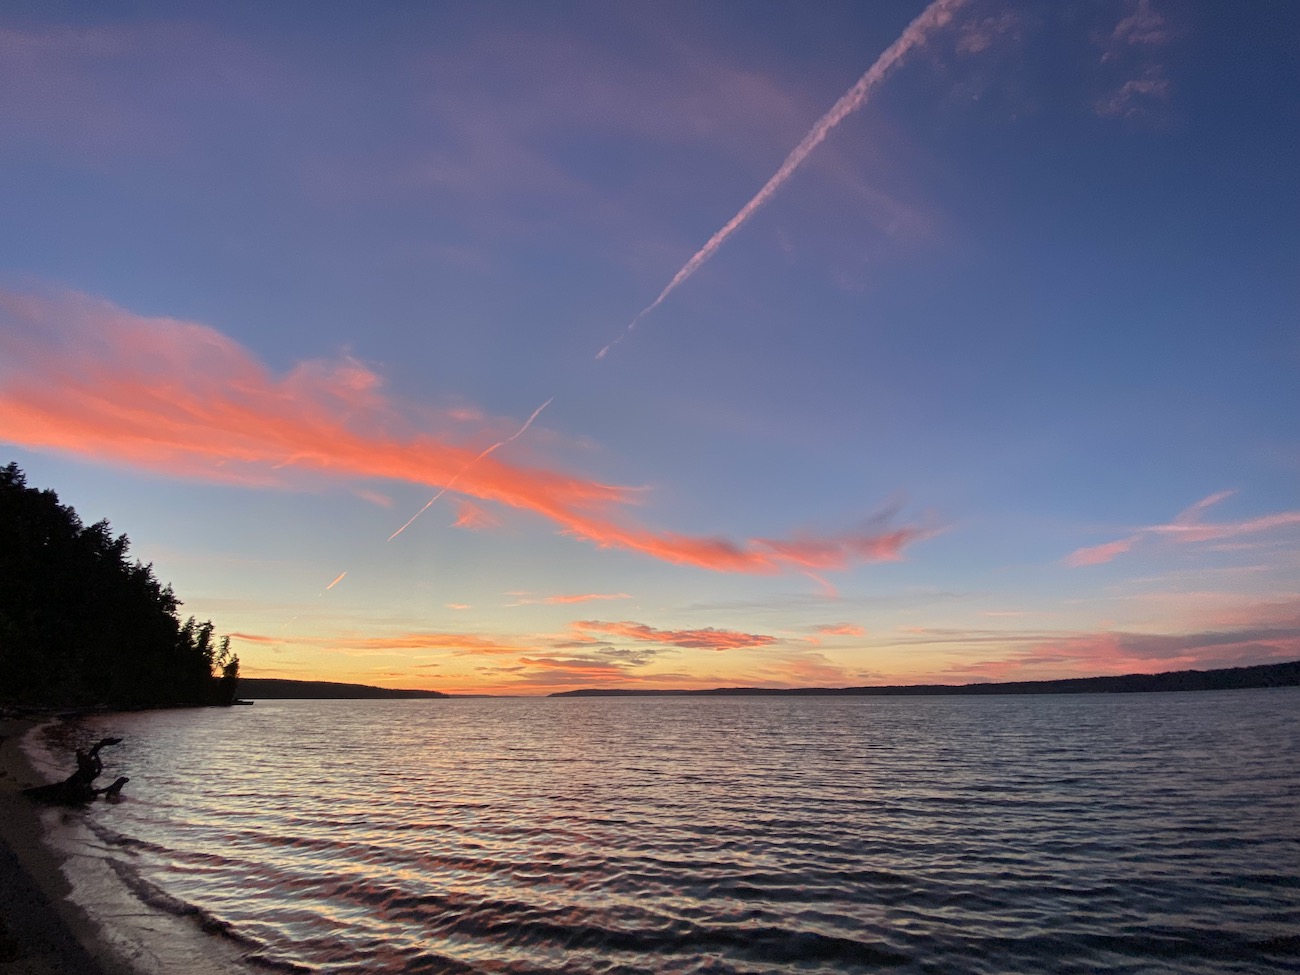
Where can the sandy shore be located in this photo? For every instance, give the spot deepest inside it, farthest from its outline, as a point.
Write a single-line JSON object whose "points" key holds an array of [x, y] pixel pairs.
{"points": [[62, 909], [39, 932]]}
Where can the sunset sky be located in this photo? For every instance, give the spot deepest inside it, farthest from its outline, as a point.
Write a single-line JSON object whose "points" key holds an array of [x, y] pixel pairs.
{"points": [[964, 350]]}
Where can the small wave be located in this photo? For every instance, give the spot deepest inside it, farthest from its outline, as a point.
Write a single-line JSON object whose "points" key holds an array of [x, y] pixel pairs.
{"points": [[159, 899], [131, 844], [974, 841], [276, 965]]}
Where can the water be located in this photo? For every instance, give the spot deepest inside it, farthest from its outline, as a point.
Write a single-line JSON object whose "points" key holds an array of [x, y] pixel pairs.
{"points": [[1090, 833]]}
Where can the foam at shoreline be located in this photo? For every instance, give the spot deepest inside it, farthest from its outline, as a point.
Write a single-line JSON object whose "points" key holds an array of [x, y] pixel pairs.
{"points": [[117, 917]]}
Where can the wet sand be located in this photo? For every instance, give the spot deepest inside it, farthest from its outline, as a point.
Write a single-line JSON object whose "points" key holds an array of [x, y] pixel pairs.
{"points": [[63, 910]]}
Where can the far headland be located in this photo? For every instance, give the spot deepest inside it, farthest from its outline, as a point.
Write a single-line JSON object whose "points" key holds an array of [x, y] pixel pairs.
{"points": [[274, 688], [1227, 678]]}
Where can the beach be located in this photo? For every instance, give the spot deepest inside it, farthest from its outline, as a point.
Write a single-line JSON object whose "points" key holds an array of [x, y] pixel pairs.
{"points": [[40, 934], [62, 910]]}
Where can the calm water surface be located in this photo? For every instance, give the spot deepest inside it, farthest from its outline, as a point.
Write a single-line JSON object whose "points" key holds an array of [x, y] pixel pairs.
{"points": [[1091, 833]]}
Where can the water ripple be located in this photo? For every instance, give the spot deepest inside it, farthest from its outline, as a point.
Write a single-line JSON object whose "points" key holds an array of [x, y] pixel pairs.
{"points": [[1125, 834]]}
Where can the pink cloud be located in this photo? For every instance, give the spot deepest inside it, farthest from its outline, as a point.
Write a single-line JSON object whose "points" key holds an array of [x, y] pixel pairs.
{"points": [[840, 629], [565, 599], [803, 668], [86, 378], [1098, 554], [469, 515], [978, 35], [1247, 635], [1110, 653], [585, 597], [374, 497], [707, 638], [1143, 26], [414, 640], [1186, 528], [1134, 97], [1137, 88]]}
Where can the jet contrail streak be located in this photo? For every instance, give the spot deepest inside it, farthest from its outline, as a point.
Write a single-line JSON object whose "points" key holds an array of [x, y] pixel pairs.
{"points": [[933, 17], [459, 474], [336, 581]]}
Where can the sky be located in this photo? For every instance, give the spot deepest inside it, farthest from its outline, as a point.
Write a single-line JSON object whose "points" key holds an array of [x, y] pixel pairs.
{"points": [[512, 348]]}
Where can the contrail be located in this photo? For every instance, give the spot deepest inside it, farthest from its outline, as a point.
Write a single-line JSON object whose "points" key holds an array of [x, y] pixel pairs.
{"points": [[938, 14], [336, 581], [933, 17], [459, 474]]}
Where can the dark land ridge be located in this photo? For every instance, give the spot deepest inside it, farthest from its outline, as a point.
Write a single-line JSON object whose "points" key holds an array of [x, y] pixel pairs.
{"points": [[1228, 678], [276, 689]]}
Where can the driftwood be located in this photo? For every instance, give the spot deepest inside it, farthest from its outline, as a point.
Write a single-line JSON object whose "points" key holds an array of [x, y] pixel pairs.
{"points": [[78, 788]]}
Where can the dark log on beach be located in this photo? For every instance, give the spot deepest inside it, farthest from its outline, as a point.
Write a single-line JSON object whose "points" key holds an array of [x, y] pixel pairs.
{"points": [[78, 788]]}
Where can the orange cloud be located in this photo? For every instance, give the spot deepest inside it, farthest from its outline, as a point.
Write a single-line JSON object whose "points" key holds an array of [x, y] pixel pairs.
{"points": [[178, 398], [708, 638], [840, 629], [585, 598], [1186, 528], [806, 669], [458, 643], [566, 600]]}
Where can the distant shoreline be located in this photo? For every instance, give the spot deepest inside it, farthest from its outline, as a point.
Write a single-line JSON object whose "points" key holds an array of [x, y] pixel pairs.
{"points": [[1228, 678], [278, 689]]}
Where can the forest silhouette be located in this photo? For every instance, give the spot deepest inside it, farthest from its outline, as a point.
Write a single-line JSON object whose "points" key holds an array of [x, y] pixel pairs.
{"points": [[83, 625]]}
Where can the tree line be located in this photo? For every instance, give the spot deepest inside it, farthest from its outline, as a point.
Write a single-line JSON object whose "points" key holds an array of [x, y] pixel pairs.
{"points": [[82, 624]]}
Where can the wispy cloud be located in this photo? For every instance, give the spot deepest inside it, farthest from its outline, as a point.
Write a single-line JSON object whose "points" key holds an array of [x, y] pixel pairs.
{"points": [[1118, 652], [455, 643], [374, 497], [1139, 87], [118, 90], [840, 629], [1186, 528], [84, 377], [489, 114], [981, 33], [567, 599], [1136, 95], [801, 668], [469, 515], [1212, 629], [707, 638], [585, 598], [1144, 25]]}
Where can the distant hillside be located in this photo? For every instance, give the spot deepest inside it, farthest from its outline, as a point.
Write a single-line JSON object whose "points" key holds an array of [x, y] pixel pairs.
{"points": [[271, 688], [1230, 678]]}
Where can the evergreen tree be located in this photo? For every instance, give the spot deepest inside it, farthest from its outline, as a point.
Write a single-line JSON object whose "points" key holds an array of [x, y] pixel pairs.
{"points": [[82, 624]]}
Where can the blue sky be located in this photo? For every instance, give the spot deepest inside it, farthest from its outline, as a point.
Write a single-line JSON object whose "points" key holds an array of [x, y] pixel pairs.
{"points": [[999, 382]]}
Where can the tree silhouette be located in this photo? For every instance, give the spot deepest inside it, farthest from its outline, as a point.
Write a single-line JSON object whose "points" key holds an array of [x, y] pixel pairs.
{"points": [[82, 624]]}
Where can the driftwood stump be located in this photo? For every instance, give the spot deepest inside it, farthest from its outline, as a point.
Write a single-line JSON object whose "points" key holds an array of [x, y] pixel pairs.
{"points": [[78, 788]]}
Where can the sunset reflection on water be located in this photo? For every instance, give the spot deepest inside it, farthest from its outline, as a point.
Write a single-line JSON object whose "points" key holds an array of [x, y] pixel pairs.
{"points": [[1053, 833]]}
